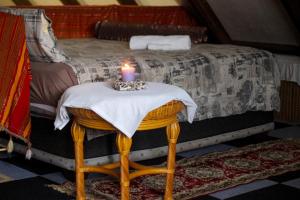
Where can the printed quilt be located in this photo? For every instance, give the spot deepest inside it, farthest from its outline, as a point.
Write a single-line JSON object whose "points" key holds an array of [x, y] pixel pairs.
{"points": [[222, 79]]}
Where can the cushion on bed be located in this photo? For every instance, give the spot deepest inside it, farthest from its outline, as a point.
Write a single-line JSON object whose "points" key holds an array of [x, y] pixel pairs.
{"points": [[49, 81], [111, 30], [41, 42]]}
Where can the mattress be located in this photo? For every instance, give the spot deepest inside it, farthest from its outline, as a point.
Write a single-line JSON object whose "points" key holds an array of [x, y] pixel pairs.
{"points": [[56, 147]]}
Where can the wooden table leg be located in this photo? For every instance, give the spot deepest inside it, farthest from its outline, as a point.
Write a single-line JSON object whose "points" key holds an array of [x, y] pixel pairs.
{"points": [[78, 133], [124, 145], [172, 134]]}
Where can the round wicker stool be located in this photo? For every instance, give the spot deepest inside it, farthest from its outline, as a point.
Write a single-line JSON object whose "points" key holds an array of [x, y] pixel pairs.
{"points": [[164, 116]]}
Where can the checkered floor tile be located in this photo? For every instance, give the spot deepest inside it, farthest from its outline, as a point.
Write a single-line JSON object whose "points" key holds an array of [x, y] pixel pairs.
{"points": [[28, 179]]}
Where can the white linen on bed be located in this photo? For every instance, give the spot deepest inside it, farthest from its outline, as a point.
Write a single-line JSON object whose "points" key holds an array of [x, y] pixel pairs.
{"points": [[289, 67], [158, 42], [123, 109]]}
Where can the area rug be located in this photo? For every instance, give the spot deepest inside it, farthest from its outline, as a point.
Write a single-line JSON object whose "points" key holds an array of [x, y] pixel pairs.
{"points": [[204, 174], [4, 178]]}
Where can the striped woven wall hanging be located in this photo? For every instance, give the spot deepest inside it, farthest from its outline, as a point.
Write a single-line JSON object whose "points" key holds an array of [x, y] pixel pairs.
{"points": [[90, 2]]}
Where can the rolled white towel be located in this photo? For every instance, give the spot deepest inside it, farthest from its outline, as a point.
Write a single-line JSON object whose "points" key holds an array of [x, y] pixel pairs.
{"points": [[168, 47], [159, 47], [141, 41], [172, 42], [156, 42]]}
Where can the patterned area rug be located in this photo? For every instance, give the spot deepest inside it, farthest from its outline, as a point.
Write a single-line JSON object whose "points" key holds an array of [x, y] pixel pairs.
{"points": [[205, 174], [4, 178]]}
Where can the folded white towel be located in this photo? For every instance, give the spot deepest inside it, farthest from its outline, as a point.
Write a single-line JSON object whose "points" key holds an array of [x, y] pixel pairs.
{"points": [[167, 47], [141, 42], [156, 42]]}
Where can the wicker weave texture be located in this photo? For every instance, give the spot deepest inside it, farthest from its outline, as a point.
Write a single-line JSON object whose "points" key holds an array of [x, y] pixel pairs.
{"points": [[164, 111]]}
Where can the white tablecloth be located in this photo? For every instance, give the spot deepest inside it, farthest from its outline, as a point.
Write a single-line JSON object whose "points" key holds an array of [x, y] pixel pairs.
{"points": [[123, 109], [289, 67]]}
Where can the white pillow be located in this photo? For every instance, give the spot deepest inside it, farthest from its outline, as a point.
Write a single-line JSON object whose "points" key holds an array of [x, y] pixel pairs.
{"points": [[41, 42]]}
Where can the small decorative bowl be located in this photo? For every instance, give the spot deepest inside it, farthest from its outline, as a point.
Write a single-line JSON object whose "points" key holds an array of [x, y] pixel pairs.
{"points": [[129, 85]]}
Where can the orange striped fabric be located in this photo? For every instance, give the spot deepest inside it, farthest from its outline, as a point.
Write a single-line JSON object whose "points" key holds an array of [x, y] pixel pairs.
{"points": [[14, 77]]}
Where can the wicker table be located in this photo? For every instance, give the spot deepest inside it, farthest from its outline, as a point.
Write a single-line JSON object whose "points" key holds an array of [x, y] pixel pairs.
{"points": [[164, 116]]}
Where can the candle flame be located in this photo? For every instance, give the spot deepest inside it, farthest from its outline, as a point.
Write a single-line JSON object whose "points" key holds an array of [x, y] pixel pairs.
{"points": [[126, 66]]}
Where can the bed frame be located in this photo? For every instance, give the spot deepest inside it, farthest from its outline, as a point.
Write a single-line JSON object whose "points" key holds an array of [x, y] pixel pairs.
{"points": [[56, 147]]}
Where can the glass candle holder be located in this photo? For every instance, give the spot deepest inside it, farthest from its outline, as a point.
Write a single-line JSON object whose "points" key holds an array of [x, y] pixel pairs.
{"points": [[128, 73]]}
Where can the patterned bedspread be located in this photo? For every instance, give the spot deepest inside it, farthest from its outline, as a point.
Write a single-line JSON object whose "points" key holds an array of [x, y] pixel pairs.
{"points": [[222, 79]]}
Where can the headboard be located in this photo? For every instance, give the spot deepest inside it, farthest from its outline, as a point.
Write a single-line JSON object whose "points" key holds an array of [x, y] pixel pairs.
{"points": [[79, 21]]}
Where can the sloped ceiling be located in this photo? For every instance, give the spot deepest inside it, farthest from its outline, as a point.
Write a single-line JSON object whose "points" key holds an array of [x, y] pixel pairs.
{"points": [[91, 2], [265, 24]]}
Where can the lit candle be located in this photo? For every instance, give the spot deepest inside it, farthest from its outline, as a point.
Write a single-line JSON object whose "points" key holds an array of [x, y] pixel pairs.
{"points": [[128, 73]]}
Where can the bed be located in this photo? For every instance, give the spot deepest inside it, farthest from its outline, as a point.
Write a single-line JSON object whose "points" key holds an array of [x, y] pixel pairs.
{"points": [[235, 87]]}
